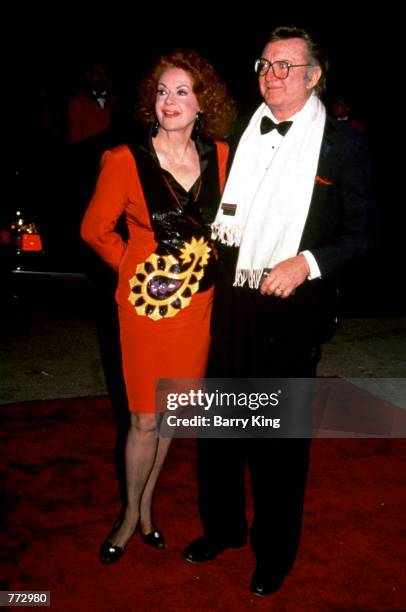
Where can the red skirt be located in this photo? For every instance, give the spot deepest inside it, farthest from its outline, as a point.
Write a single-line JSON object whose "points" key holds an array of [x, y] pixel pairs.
{"points": [[174, 347]]}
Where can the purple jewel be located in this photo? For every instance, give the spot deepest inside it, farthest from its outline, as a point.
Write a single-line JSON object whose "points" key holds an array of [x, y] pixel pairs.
{"points": [[163, 288], [154, 287], [172, 285]]}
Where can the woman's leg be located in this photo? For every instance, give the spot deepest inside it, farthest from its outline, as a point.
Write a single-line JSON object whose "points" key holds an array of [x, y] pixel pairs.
{"points": [[141, 454], [146, 520]]}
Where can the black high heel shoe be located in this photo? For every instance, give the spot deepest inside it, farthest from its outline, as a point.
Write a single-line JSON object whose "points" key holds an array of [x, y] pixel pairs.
{"points": [[154, 539], [110, 553]]}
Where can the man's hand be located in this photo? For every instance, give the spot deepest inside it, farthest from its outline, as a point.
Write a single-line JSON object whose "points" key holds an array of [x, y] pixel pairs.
{"points": [[283, 279]]}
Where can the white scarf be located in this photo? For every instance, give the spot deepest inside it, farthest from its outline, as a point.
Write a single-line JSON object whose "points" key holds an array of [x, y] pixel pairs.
{"points": [[273, 201]]}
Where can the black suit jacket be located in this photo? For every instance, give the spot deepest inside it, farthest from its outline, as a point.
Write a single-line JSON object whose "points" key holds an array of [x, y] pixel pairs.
{"points": [[338, 229]]}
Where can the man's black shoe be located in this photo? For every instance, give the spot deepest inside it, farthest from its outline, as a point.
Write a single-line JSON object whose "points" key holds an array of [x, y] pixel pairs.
{"points": [[263, 583], [201, 550]]}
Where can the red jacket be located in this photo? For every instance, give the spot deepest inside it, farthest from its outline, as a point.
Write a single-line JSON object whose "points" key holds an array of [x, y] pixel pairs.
{"points": [[87, 118]]}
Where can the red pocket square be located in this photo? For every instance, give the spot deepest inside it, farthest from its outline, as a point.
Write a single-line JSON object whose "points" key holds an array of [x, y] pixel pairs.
{"points": [[322, 181]]}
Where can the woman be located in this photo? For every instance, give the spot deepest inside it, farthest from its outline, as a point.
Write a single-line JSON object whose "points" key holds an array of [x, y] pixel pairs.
{"points": [[168, 187]]}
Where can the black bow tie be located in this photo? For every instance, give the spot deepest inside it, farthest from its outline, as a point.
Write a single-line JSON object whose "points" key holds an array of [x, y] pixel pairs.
{"points": [[267, 125], [102, 95]]}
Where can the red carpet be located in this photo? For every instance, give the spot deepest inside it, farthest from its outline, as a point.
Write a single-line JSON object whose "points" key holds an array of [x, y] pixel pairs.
{"points": [[60, 496]]}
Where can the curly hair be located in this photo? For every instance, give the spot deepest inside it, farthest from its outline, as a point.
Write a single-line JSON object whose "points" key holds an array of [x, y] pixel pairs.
{"points": [[218, 108], [315, 53]]}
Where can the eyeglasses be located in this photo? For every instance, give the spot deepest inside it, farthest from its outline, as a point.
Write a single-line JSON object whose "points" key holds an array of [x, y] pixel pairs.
{"points": [[280, 68]]}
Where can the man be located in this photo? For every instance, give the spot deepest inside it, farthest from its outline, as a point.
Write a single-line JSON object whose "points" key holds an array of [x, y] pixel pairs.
{"points": [[90, 111], [341, 110], [294, 212]]}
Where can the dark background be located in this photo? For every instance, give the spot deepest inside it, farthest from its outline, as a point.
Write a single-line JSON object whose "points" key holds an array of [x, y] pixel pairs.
{"points": [[53, 54]]}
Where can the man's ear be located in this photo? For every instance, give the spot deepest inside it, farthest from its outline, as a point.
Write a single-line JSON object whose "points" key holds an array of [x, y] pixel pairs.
{"points": [[313, 76]]}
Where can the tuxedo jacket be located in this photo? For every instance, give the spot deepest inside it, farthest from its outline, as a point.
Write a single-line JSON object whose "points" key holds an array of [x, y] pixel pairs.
{"points": [[87, 118], [337, 230]]}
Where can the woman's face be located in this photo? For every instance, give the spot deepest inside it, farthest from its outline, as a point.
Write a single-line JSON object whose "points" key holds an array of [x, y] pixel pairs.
{"points": [[176, 104]]}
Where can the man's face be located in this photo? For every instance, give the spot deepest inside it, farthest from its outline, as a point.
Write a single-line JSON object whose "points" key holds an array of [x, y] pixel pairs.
{"points": [[340, 109], [99, 79], [285, 97]]}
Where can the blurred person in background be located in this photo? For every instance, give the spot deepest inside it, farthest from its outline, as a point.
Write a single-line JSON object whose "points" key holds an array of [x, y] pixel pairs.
{"points": [[90, 110]]}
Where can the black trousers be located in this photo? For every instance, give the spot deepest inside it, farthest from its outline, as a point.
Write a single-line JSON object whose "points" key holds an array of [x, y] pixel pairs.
{"points": [[278, 471], [245, 345]]}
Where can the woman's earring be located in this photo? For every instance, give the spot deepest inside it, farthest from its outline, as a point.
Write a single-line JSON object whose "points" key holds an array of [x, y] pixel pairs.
{"points": [[198, 124], [155, 128]]}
